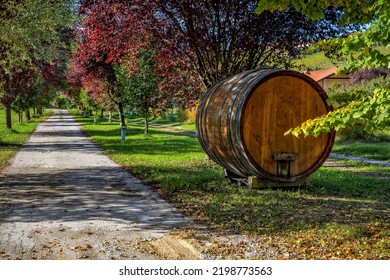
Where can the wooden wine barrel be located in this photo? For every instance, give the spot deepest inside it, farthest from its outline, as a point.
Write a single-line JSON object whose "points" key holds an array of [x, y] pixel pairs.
{"points": [[241, 123]]}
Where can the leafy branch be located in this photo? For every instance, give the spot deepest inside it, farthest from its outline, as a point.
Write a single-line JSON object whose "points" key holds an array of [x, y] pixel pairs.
{"points": [[374, 107]]}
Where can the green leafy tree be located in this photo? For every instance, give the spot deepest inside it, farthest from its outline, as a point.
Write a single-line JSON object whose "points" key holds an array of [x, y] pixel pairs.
{"points": [[140, 86], [32, 31], [360, 51], [89, 104], [32, 34], [27, 99]]}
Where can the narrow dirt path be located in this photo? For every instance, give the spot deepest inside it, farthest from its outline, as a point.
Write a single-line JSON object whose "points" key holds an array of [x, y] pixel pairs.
{"points": [[360, 159], [62, 198]]}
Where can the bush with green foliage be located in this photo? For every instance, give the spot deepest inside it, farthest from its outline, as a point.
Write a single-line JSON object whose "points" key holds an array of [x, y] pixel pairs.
{"points": [[182, 115]]}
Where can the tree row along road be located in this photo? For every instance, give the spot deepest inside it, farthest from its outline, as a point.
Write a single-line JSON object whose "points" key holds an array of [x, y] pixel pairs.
{"points": [[62, 198]]}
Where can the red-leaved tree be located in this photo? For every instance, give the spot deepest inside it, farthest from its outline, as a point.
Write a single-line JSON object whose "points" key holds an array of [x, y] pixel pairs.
{"points": [[15, 84], [113, 33]]}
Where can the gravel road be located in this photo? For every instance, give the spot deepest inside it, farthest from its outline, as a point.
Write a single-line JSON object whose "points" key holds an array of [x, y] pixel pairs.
{"points": [[62, 198]]}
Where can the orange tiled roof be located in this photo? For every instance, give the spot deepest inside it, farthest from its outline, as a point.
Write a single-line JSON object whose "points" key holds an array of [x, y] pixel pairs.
{"points": [[320, 74]]}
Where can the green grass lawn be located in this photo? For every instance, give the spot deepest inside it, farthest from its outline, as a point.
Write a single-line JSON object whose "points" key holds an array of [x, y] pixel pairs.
{"points": [[377, 149], [12, 139], [318, 61], [340, 215], [315, 61], [165, 123]]}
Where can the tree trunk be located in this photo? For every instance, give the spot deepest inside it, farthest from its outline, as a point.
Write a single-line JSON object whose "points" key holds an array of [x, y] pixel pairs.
{"points": [[20, 114], [146, 129], [8, 116], [121, 115], [110, 116], [172, 116], [28, 115], [102, 113]]}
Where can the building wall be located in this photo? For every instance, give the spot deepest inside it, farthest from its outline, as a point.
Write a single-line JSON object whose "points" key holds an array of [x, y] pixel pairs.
{"points": [[327, 82]]}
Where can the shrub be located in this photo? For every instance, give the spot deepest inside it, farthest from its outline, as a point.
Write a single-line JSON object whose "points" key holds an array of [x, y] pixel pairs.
{"points": [[182, 115], [356, 132], [191, 114], [364, 75]]}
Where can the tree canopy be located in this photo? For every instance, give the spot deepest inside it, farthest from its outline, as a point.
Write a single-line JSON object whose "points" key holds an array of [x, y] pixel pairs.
{"points": [[226, 37], [111, 38], [33, 38]]}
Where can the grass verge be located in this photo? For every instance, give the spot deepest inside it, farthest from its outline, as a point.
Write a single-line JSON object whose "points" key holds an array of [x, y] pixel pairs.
{"points": [[341, 215], [379, 150], [12, 139], [313, 62]]}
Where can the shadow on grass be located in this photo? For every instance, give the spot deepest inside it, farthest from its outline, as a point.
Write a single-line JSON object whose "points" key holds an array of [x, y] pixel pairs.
{"points": [[5, 145], [199, 189], [268, 212], [203, 194]]}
